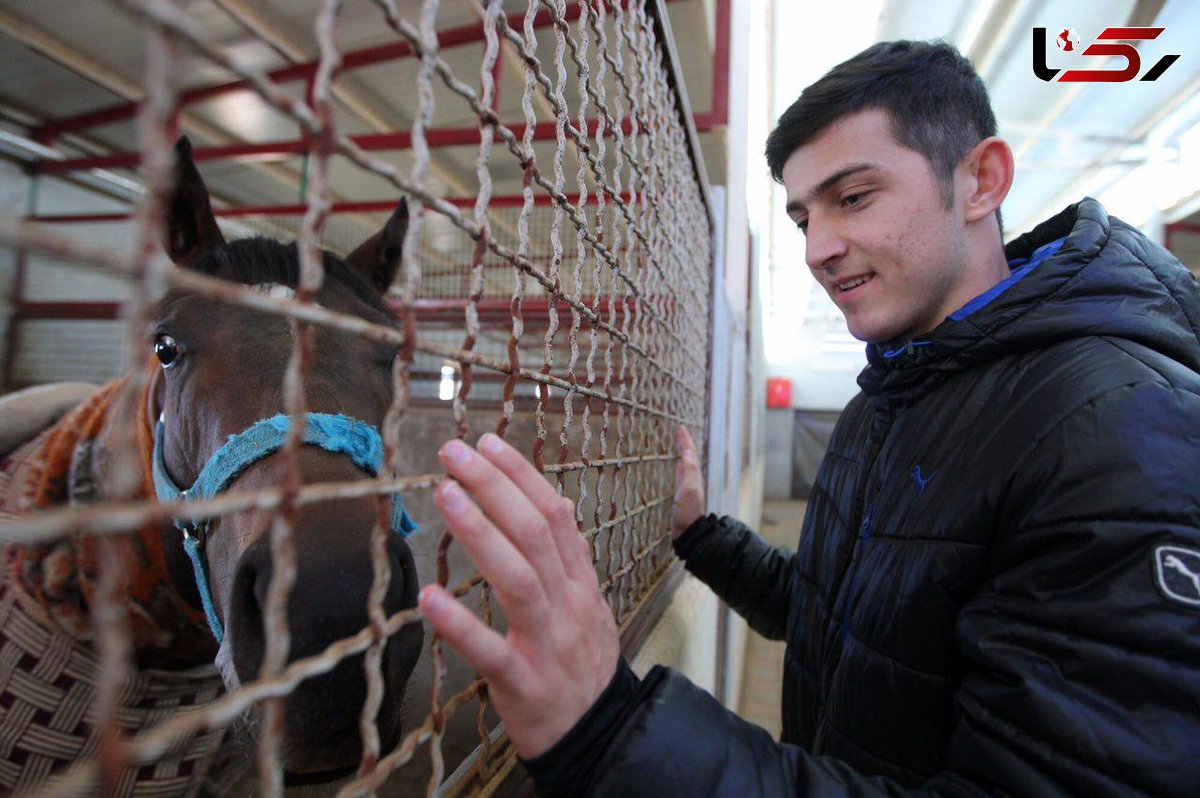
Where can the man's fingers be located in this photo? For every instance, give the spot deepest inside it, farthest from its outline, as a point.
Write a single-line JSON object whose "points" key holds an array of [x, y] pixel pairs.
{"points": [[689, 460], [683, 440], [517, 585], [689, 484], [510, 507], [519, 470], [558, 511], [482, 647]]}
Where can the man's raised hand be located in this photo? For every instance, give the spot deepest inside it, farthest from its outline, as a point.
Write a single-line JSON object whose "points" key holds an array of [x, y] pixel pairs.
{"points": [[689, 484], [561, 647]]}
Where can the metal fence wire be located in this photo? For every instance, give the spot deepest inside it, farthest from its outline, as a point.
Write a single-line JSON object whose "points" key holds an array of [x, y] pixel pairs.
{"points": [[585, 343]]}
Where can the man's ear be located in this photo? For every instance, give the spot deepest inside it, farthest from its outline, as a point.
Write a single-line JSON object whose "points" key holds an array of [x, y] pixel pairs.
{"points": [[378, 258], [990, 172], [190, 230]]}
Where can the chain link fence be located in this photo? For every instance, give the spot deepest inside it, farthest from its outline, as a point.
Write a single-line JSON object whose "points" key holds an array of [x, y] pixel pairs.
{"points": [[574, 322]]}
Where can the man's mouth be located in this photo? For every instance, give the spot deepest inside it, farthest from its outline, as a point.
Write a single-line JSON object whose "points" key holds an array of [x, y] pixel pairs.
{"points": [[852, 283]]}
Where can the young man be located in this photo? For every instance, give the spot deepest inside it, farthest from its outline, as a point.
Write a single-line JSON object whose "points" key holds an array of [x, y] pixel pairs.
{"points": [[997, 590]]}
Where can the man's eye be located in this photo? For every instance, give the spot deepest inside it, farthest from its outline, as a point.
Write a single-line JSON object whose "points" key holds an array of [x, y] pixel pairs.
{"points": [[850, 200], [802, 226]]}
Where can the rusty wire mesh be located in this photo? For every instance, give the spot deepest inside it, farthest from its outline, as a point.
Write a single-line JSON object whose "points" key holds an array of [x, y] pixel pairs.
{"points": [[597, 331]]}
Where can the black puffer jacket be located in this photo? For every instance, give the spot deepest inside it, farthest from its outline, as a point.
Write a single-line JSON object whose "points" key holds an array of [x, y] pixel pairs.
{"points": [[982, 600]]}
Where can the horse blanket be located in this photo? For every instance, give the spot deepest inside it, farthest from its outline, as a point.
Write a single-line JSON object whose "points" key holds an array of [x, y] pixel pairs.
{"points": [[49, 668]]}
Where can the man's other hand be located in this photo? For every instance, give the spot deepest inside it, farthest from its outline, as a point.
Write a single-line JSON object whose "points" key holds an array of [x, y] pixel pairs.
{"points": [[689, 484], [561, 648]]}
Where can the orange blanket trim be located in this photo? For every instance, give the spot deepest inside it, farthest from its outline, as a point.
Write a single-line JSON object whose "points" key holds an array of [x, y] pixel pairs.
{"points": [[62, 575]]}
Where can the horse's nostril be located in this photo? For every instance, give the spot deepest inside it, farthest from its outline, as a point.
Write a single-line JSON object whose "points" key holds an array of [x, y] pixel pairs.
{"points": [[244, 618], [402, 592]]}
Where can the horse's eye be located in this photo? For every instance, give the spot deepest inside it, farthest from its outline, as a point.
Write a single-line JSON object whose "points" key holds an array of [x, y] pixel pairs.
{"points": [[166, 350]]}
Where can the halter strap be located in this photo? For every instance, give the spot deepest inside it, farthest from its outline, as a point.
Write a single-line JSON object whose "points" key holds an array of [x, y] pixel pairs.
{"points": [[339, 434]]}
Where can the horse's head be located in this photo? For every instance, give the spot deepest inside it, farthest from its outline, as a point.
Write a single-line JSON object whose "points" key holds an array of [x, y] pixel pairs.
{"points": [[222, 373]]}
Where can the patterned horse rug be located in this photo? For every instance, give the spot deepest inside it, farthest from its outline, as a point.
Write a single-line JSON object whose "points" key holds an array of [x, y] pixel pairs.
{"points": [[49, 669]]}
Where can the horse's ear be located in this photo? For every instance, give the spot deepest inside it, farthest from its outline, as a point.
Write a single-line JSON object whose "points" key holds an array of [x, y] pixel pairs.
{"points": [[378, 258], [190, 229]]}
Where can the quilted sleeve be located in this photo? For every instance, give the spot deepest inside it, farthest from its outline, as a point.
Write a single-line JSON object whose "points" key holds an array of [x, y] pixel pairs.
{"points": [[748, 573], [1084, 647]]}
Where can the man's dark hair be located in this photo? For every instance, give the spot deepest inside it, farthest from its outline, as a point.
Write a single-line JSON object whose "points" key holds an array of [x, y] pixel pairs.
{"points": [[937, 103]]}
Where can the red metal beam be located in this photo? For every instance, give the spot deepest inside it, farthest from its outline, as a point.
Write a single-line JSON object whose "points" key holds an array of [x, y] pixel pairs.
{"points": [[720, 78], [499, 309], [276, 150], [487, 375], [12, 335], [355, 59], [718, 117], [365, 206], [490, 309], [438, 137], [1175, 228]]}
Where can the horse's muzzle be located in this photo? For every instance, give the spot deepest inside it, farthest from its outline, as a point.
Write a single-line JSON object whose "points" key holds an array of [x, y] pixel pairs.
{"points": [[328, 603]]}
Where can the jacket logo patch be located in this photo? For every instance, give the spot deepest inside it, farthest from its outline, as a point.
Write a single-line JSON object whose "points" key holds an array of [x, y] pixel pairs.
{"points": [[921, 481], [1177, 571]]}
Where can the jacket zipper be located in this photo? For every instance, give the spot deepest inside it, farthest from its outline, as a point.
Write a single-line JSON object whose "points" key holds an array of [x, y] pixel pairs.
{"points": [[866, 514], [864, 534]]}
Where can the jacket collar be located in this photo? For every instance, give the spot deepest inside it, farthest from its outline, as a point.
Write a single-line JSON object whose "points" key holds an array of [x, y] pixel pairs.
{"points": [[1071, 294]]}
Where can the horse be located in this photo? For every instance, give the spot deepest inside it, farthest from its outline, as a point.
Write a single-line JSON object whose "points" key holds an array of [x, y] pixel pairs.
{"points": [[197, 591]]}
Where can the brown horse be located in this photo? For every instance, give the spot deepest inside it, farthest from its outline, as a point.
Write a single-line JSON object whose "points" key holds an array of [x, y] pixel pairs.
{"points": [[219, 371]]}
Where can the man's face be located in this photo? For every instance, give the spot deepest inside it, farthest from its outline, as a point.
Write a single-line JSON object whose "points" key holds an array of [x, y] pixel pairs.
{"points": [[880, 239]]}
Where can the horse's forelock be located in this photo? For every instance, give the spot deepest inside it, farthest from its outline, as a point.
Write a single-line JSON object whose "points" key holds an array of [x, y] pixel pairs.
{"points": [[264, 261]]}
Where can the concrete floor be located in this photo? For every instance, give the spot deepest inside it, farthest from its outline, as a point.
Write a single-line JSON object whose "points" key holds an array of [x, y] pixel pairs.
{"points": [[762, 672]]}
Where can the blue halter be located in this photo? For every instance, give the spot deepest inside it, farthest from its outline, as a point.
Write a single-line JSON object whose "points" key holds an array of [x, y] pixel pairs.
{"points": [[338, 434]]}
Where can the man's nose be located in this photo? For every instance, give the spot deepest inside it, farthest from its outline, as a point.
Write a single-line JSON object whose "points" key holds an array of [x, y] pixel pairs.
{"points": [[823, 246]]}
